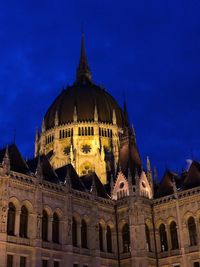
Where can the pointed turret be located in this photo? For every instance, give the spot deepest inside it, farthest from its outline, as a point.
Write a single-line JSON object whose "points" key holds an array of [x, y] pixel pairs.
{"points": [[39, 172], [56, 120], [174, 188], [6, 161], [36, 134], [75, 117], [148, 165], [126, 122], [43, 126], [114, 119], [93, 187], [83, 71], [67, 181], [36, 143], [95, 114], [149, 175]]}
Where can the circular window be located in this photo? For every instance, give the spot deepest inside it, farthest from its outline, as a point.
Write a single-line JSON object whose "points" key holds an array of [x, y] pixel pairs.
{"points": [[143, 184], [121, 185], [86, 149], [66, 150]]}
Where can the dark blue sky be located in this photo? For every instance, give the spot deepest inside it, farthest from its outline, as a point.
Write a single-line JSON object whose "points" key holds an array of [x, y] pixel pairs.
{"points": [[148, 49]]}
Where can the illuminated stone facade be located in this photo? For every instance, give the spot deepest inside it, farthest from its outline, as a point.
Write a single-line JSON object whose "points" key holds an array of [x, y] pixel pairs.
{"points": [[85, 200]]}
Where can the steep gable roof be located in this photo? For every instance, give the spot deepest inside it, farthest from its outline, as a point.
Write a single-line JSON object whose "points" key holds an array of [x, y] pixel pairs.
{"points": [[88, 180], [76, 183], [17, 163], [192, 178], [47, 170]]}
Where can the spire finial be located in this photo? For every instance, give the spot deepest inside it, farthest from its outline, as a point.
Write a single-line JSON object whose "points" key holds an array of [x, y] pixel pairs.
{"points": [[126, 121], [39, 171], [83, 70], [6, 161]]}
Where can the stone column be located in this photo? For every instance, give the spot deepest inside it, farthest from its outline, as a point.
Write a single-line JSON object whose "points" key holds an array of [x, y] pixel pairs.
{"points": [[158, 240], [120, 242], [104, 239], [114, 241], [168, 237], [50, 220], [17, 222], [79, 234]]}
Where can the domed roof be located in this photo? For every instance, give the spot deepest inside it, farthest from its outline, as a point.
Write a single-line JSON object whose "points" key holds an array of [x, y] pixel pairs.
{"points": [[83, 96]]}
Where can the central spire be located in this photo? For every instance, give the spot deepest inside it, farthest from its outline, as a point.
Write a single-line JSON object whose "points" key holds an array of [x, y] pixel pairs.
{"points": [[83, 70]]}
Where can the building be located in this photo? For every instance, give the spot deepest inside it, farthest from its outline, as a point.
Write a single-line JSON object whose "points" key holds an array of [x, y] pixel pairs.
{"points": [[85, 200]]}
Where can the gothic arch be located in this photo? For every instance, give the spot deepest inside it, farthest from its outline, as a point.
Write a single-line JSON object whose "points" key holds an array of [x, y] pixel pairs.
{"points": [[59, 212], [148, 222], [122, 223], [111, 224], [187, 215], [102, 222], [28, 205], [48, 210], [170, 220], [77, 217], [15, 202]]}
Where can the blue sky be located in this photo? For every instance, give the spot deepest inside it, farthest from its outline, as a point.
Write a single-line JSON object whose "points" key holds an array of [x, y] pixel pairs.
{"points": [[148, 50]]}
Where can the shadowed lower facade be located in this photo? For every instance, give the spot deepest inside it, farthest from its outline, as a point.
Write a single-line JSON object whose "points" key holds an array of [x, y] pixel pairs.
{"points": [[86, 200]]}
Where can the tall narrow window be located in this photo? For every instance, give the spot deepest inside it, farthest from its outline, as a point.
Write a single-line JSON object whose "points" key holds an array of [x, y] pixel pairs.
{"points": [[10, 261], [56, 264], [22, 261], [11, 219], [44, 263], [163, 238], [23, 222], [192, 231], [100, 237], [44, 226], [109, 239], [74, 232], [55, 228], [174, 235], [83, 234], [126, 238], [148, 239]]}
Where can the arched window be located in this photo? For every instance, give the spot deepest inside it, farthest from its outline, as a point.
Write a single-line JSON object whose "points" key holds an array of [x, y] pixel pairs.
{"points": [[55, 228], [44, 226], [23, 229], [192, 231], [74, 232], [173, 235], [83, 234], [109, 239], [148, 239], [11, 219], [100, 237], [163, 238], [126, 238]]}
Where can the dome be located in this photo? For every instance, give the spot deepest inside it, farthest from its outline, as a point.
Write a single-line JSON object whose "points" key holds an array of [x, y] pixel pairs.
{"points": [[85, 96]]}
